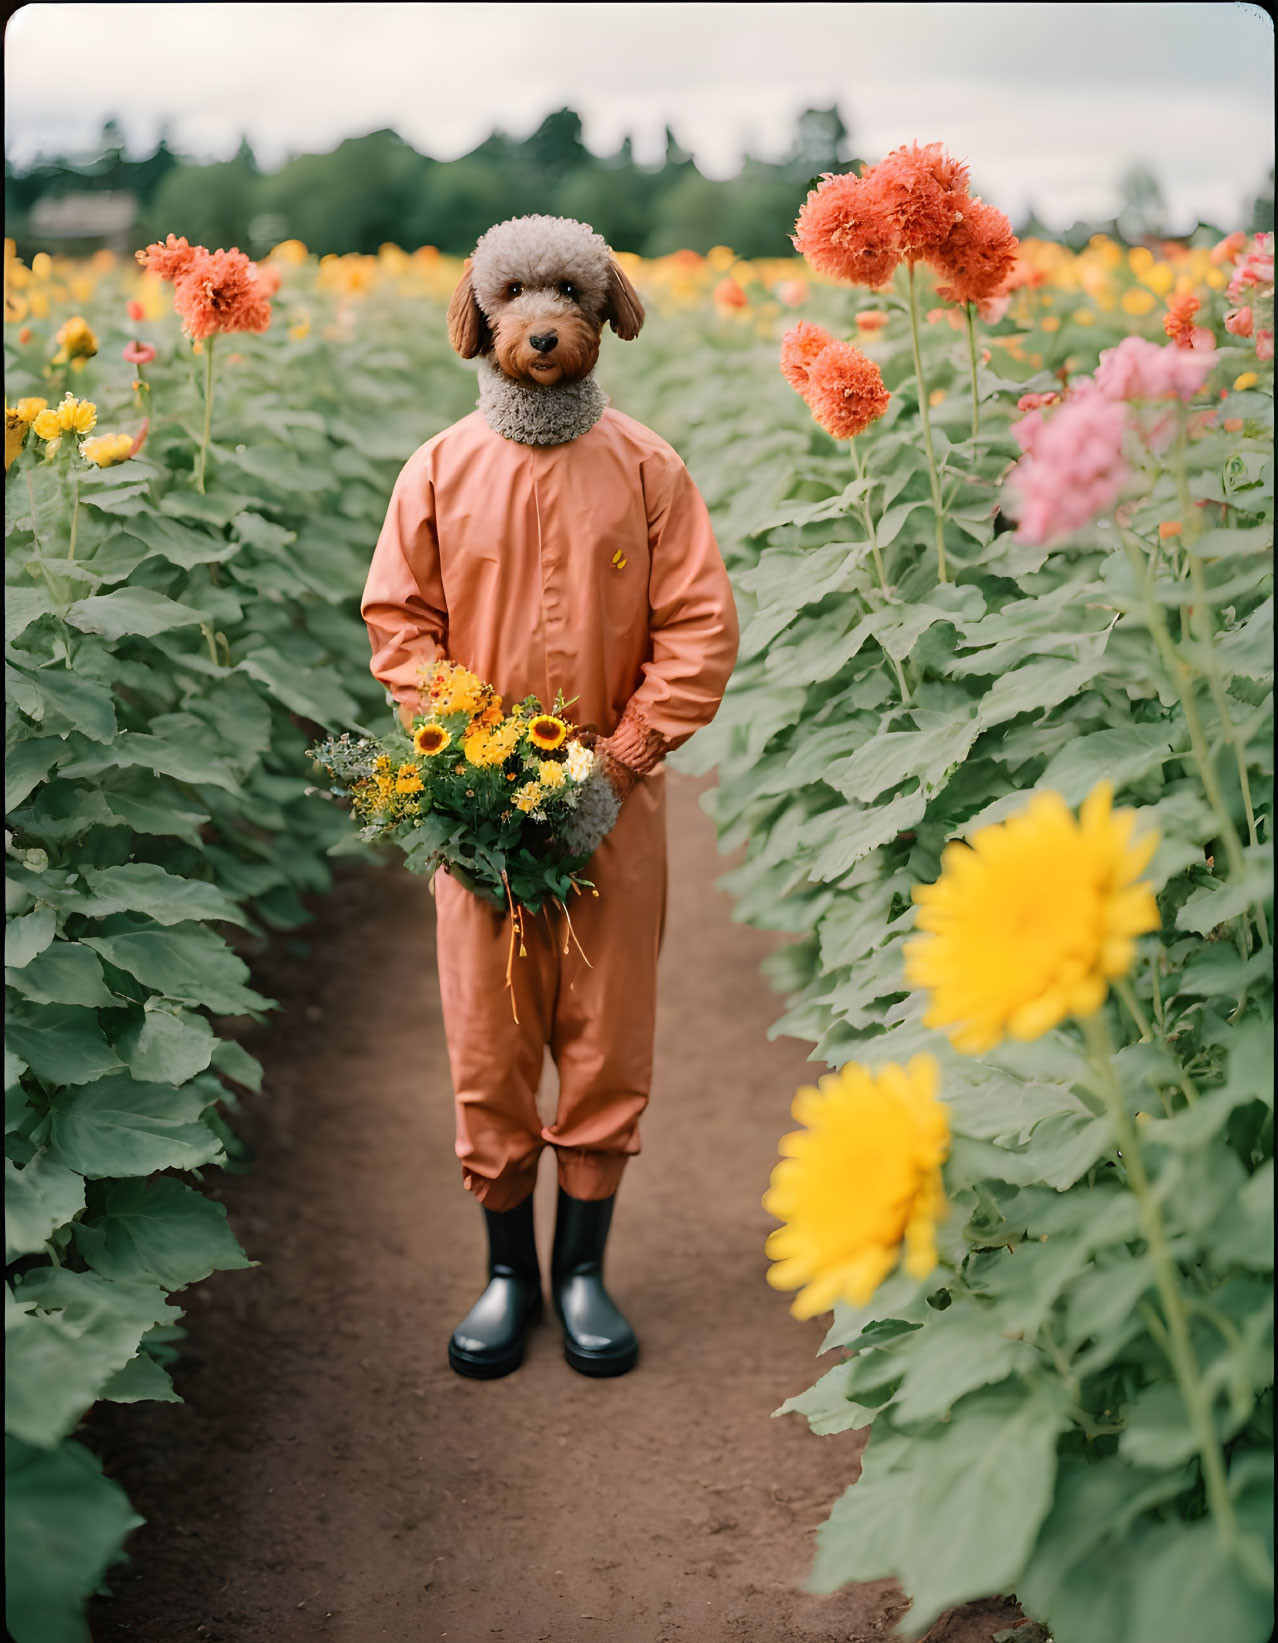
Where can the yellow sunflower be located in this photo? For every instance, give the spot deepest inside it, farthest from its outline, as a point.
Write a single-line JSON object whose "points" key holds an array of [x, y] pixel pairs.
{"points": [[859, 1185], [431, 739], [547, 732], [1030, 921]]}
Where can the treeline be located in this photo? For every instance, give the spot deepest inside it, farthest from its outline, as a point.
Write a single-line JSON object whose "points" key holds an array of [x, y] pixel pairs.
{"points": [[378, 188]]}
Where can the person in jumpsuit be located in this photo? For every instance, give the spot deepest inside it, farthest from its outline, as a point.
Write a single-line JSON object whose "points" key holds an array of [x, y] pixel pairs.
{"points": [[549, 542]]}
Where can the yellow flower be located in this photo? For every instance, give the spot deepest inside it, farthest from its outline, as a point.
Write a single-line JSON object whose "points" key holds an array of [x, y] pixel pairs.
{"points": [[936, 397], [547, 732], [1138, 301], [72, 416], [1248, 379], [1083, 316], [431, 739], [29, 409], [300, 330], [550, 774], [1159, 279], [1030, 921], [859, 1185], [407, 779], [528, 797], [1051, 322], [76, 340], [453, 689], [16, 430], [107, 449]]}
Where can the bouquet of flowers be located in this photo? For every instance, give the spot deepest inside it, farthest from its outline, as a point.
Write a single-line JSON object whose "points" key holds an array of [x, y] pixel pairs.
{"points": [[513, 803]]}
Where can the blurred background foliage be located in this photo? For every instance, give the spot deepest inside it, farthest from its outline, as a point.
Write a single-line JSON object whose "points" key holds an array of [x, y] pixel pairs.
{"points": [[377, 188]]}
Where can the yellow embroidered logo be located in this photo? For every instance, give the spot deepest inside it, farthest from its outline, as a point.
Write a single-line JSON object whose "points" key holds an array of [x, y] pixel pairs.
{"points": [[618, 560]]}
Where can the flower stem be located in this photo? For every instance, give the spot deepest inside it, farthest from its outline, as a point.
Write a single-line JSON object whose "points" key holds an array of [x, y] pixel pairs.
{"points": [[971, 354], [35, 532], [1178, 1344], [868, 520], [925, 416], [208, 413], [1184, 686], [75, 513]]}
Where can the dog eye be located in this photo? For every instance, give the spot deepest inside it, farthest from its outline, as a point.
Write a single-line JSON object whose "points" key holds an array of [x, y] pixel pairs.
{"points": [[568, 288], [513, 289]]}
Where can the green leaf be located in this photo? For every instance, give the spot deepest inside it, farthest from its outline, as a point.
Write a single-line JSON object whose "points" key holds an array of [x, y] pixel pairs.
{"points": [[140, 1379], [26, 937], [22, 606], [131, 610], [166, 1047], [310, 692], [78, 702], [60, 1355], [153, 814], [64, 1526], [142, 887], [841, 837], [160, 1230], [1215, 904], [957, 1351], [27, 765], [237, 1064], [829, 1406], [119, 1127], [1123, 755], [1037, 685], [37, 1200], [65, 973], [62, 1044], [961, 1514], [185, 962], [1249, 649]]}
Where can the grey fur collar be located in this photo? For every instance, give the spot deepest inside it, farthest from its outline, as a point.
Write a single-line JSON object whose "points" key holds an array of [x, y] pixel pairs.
{"points": [[539, 416]]}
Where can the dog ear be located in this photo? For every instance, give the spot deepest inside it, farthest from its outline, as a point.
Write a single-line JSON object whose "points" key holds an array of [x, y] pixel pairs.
{"points": [[624, 311], [467, 328]]}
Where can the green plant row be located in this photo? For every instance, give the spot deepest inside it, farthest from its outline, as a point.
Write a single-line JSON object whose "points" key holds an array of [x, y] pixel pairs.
{"points": [[168, 656], [1030, 1429]]}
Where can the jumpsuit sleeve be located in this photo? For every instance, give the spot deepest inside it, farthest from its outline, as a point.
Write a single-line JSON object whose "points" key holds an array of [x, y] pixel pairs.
{"points": [[692, 623], [403, 602]]}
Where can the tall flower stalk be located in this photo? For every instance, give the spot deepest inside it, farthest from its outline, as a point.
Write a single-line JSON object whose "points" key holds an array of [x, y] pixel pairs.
{"points": [[938, 507], [208, 415]]}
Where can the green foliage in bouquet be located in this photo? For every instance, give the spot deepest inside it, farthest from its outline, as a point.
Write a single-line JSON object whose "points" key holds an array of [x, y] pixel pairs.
{"points": [[507, 802]]}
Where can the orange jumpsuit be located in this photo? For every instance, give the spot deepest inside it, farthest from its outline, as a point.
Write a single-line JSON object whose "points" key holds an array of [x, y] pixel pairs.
{"points": [[589, 567]]}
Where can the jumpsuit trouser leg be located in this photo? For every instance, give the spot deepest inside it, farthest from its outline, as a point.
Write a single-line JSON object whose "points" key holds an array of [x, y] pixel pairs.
{"points": [[597, 1013]]}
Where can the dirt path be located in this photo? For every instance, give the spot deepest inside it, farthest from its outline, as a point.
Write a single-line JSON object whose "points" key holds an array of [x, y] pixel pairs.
{"points": [[330, 1477]]}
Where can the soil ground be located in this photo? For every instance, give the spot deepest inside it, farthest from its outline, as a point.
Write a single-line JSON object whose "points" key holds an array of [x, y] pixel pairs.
{"points": [[328, 1476]]}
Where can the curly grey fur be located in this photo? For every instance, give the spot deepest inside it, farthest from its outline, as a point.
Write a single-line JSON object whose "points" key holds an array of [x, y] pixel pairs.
{"points": [[540, 251], [534, 415], [594, 817]]}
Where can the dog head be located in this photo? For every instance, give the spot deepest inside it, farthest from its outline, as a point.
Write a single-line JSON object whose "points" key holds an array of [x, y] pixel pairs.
{"points": [[536, 295]]}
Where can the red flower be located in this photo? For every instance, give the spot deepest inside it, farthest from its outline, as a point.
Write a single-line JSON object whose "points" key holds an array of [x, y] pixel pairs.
{"points": [[135, 311], [923, 194], [1178, 322], [800, 348], [845, 390], [844, 230], [977, 256]]}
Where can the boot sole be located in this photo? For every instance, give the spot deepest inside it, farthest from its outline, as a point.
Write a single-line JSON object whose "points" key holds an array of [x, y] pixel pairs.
{"points": [[600, 1368]]}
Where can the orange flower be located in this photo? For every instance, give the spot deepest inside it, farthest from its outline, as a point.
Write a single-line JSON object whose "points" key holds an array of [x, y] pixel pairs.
{"points": [[170, 258], [844, 230], [1178, 322], [871, 319], [728, 294], [219, 291], [845, 390], [1169, 527], [800, 348], [977, 255], [923, 194]]}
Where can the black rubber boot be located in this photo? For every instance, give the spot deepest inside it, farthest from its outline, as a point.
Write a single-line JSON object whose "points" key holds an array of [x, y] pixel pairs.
{"points": [[489, 1341], [597, 1339]]}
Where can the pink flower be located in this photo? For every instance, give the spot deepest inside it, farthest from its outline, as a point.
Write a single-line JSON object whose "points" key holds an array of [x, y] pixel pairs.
{"points": [[946, 316], [135, 311], [1036, 402], [1238, 322], [992, 309], [1264, 345], [1138, 369], [791, 293], [1073, 470], [1255, 268], [728, 294], [139, 353], [139, 439]]}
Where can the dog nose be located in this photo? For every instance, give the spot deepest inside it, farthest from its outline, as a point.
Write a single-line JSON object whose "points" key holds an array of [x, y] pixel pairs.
{"points": [[545, 342]]}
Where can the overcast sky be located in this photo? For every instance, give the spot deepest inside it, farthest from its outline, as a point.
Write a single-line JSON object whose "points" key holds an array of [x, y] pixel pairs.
{"points": [[1049, 102]]}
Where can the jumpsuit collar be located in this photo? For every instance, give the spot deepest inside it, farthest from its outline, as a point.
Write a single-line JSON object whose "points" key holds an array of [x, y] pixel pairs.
{"points": [[539, 416]]}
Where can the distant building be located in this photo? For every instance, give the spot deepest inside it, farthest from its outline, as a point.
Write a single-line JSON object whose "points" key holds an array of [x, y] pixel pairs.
{"points": [[81, 223]]}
